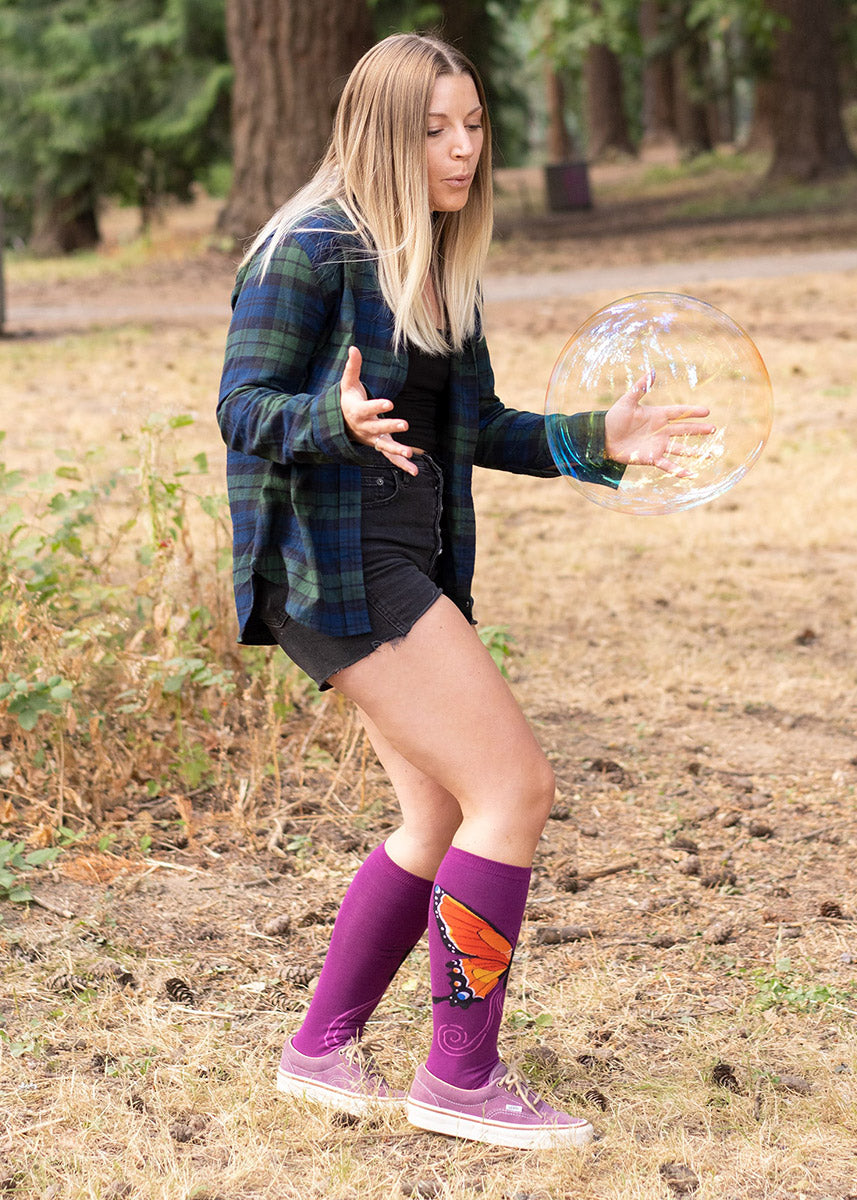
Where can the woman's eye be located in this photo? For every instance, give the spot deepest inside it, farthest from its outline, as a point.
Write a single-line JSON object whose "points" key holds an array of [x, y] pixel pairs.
{"points": [[475, 128], [434, 132]]}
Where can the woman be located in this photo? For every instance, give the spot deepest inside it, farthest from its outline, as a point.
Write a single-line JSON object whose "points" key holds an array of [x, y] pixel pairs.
{"points": [[357, 396]]}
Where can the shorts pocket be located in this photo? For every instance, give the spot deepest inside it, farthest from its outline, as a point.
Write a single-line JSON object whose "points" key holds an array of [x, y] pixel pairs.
{"points": [[379, 485]]}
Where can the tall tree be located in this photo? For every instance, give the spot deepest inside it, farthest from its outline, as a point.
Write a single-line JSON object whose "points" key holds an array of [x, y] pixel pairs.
{"points": [[691, 81], [290, 60], [809, 140], [659, 128], [102, 98], [606, 118], [561, 145], [590, 42]]}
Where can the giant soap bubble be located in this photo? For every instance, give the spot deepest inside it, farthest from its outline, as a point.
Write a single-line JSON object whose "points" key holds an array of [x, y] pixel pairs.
{"points": [[699, 356]]}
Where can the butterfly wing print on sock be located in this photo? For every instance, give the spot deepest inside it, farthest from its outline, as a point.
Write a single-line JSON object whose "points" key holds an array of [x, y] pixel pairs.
{"points": [[482, 954]]}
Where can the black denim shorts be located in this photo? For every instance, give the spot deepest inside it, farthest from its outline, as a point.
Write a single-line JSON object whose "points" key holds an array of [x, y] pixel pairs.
{"points": [[401, 544]]}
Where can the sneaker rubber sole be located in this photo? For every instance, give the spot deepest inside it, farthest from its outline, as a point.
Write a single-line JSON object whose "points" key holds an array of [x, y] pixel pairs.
{"points": [[300, 1088], [497, 1133]]}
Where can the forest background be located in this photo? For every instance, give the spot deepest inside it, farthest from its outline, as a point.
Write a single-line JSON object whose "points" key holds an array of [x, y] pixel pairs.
{"points": [[179, 816]]}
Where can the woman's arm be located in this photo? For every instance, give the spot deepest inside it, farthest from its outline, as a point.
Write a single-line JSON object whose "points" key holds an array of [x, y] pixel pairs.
{"points": [[511, 440], [280, 390]]}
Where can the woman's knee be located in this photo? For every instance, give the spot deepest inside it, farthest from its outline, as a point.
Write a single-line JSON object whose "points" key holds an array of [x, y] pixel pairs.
{"points": [[419, 849], [542, 790], [525, 791]]}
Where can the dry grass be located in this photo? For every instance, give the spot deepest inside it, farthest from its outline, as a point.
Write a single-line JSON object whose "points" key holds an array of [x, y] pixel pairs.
{"points": [[693, 680]]}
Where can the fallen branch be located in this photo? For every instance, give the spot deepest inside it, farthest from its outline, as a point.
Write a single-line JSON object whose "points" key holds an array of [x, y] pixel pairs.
{"points": [[168, 866], [6, 1146], [603, 872], [52, 908], [817, 833]]}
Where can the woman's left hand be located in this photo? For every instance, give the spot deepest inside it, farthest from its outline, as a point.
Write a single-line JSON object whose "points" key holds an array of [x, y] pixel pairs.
{"points": [[365, 418], [642, 434]]}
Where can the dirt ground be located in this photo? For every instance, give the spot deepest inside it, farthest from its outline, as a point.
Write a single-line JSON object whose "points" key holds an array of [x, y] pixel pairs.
{"points": [[686, 971]]}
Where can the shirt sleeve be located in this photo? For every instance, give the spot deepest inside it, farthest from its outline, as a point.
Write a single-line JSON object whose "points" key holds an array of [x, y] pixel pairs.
{"points": [[511, 440], [276, 349]]}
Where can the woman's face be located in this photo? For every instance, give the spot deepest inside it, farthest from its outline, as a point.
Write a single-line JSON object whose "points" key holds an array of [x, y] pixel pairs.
{"points": [[453, 141]]}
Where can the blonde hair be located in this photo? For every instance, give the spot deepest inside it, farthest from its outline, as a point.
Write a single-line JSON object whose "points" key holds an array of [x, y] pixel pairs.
{"points": [[375, 169]]}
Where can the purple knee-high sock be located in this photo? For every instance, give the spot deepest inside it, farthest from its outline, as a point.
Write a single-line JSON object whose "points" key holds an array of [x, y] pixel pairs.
{"points": [[477, 909], [382, 917]]}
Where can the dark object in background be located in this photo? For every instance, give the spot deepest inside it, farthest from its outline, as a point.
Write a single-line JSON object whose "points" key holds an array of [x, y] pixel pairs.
{"points": [[567, 186]]}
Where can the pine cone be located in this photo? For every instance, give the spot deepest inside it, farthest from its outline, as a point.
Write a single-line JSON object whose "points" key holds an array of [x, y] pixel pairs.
{"points": [[115, 973], [279, 926], [298, 975], [188, 1128], [67, 982], [29, 954], [718, 879], [179, 991], [829, 908], [282, 1000], [567, 879], [326, 915], [723, 1076]]}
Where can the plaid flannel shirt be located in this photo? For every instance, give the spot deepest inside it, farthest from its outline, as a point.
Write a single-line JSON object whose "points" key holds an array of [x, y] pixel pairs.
{"points": [[293, 473]]}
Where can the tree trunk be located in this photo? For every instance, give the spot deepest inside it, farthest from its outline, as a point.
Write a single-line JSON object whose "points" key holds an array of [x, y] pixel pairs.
{"points": [[659, 132], [463, 26], [691, 111], [63, 224], [808, 134], [560, 147], [606, 121], [291, 60], [759, 135]]}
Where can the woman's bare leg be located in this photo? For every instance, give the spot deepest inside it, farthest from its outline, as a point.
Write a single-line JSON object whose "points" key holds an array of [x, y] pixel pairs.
{"points": [[430, 814], [437, 699]]}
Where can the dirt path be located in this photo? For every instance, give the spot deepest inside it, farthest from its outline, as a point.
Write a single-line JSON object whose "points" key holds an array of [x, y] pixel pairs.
{"points": [[632, 277], [198, 293]]}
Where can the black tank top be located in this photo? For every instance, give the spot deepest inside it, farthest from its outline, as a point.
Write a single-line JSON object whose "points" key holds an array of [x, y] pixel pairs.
{"points": [[424, 400]]}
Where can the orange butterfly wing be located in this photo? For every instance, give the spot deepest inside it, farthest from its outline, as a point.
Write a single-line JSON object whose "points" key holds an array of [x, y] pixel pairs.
{"points": [[487, 953]]}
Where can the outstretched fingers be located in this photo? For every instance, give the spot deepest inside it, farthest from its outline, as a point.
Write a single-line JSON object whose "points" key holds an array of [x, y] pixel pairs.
{"points": [[351, 374], [690, 428]]}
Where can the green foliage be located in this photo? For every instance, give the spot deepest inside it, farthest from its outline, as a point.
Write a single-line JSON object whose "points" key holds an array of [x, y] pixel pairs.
{"points": [[119, 676], [724, 45], [28, 699], [97, 638], [521, 1018], [16, 864], [99, 97], [498, 641], [785, 988], [570, 27]]}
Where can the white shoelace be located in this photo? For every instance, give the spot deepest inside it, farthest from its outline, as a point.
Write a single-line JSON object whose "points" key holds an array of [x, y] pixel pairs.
{"points": [[515, 1082], [361, 1059]]}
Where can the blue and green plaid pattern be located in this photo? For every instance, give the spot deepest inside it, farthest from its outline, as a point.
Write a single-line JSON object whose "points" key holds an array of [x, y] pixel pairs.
{"points": [[293, 473]]}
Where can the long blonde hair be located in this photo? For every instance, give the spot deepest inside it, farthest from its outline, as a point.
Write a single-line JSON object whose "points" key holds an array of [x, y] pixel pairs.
{"points": [[375, 169]]}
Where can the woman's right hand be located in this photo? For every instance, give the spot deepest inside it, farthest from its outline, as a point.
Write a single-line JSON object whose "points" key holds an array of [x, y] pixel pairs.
{"points": [[364, 420]]}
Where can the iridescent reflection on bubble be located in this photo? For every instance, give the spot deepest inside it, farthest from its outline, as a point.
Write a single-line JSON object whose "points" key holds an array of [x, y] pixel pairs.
{"points": [[700, 356]]}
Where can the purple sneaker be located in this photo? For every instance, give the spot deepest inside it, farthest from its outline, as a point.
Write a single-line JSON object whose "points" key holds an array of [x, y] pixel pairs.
{"points": [[506, 1112], [346, 1079]]}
